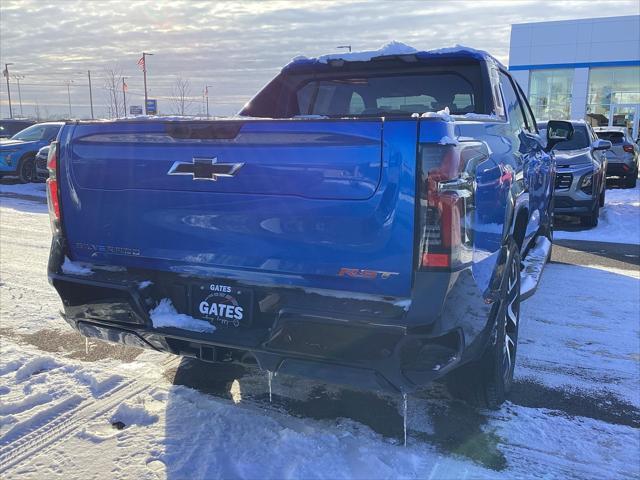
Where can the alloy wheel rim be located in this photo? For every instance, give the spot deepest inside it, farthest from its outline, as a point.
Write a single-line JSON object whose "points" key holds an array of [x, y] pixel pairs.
{"points": [[28, 169], [511, 312]]}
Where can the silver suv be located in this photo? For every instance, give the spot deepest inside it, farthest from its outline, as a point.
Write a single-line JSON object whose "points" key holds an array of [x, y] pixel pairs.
{"points": [[623, 155], [580, 181]]}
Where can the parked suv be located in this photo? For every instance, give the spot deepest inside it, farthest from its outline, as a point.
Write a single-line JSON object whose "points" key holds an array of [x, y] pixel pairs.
{"points": [[580, 174], [17, 155], [623, 155]]}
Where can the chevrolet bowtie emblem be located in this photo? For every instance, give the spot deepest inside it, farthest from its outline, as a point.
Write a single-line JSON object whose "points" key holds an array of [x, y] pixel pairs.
{"points": [[205, 169]]}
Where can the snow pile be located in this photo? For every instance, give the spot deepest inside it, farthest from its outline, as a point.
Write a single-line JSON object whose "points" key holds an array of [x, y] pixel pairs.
{"points": [[446, 140], [75, 268], [35, 366], [165, 315], [392, 48], [462, 48], [133, 414], [533, 265], [443, 114], [483, 117], [619, 220]]}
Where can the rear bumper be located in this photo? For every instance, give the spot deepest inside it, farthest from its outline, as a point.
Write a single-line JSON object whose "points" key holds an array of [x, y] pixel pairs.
{"points": [[567, 205], [620, 169], [372, 343], [41, 168]]}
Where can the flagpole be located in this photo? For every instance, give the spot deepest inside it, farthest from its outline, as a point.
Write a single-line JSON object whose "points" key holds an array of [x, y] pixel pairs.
{"points": [[124, 95], [90, 93], [144, 72], [6, 74]]}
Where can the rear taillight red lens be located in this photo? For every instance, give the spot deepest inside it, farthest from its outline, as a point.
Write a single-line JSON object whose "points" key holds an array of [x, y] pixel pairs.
{"points": [[446, 213], [53, 193], [628, 148]]}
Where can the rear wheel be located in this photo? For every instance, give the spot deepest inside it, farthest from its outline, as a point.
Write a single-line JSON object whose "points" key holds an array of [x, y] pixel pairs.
{"points": [[591, 221], [26, 169], [487, 382], [631, 180]]}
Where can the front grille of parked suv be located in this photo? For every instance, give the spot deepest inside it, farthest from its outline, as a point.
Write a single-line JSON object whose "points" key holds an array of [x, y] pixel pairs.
{"points": [[563, 181]]}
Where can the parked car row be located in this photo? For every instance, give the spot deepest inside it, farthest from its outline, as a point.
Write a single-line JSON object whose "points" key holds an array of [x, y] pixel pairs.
{"points": [[583, 165], [623, 155], [18, 153]]}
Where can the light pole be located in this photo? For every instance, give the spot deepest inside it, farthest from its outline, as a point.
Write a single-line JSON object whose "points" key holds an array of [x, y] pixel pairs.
{"points": [[124, 95], [143, 63], [90, 94], [68, 84], [18, 78], [6, 74], [206, 92], [345, 46]]}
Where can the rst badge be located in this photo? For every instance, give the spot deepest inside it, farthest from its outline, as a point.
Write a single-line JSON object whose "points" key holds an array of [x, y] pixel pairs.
{"points": [[365, 274]]}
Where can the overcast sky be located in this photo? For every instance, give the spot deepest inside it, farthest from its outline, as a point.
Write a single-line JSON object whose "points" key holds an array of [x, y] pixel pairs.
{"points": [[233, 46]]}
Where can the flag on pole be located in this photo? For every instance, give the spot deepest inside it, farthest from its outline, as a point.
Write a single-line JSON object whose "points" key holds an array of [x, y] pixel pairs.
{"points": [[5, 73], [125, 87], [141, 62], [206, 91]]}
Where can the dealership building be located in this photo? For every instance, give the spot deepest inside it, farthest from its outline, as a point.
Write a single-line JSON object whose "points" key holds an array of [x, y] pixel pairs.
{"points": [[576, 69]]}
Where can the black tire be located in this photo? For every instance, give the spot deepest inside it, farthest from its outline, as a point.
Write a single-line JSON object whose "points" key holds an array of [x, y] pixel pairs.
{"points": [[27, 169], [486, 382], [591, 221], [602, 195], [631, 181]]}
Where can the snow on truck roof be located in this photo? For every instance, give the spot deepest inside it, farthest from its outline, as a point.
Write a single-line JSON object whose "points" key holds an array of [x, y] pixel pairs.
{"points": [[393, 48]]}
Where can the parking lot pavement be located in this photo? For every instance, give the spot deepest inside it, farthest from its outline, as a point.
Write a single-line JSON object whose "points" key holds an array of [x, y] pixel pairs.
{"points": [[574, 411], [607, 255]]}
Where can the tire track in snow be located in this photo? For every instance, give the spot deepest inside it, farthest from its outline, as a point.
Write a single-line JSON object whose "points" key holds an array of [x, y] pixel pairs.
{"points": [[67, 421]]}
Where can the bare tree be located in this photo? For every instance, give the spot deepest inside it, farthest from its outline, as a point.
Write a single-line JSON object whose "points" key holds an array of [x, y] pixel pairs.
{"points": [[181, 98], [36, 108], [113, 88]]}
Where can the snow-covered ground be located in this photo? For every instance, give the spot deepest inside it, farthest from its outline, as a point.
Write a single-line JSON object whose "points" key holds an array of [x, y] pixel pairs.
{"points": [[619, 219], [123, 413]]}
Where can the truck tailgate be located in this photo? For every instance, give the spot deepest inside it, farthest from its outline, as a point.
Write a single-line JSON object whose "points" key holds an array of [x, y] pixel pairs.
{"points": [[309, 203]]}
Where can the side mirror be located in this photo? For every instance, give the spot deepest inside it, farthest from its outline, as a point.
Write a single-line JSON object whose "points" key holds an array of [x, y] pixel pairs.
{"points": [[558, 131], [601, 144]]}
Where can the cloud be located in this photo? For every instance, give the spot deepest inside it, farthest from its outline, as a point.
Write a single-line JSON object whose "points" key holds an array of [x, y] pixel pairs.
{"points": [[234, 46]]}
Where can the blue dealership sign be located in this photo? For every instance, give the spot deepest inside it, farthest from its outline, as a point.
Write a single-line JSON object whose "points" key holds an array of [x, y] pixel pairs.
{"points": [[152, 106]]}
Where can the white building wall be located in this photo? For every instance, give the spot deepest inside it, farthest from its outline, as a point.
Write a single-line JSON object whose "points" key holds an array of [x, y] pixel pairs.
{"points": [[577, 44], [588, 40]]}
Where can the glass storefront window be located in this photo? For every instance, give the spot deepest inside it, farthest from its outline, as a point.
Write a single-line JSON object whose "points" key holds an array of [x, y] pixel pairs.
{"points": [[550, 93], [610, 87]]}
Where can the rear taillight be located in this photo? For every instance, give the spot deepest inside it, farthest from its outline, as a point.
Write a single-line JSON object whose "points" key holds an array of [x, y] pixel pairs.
{"points": [[53, 193], [447, 203], [628, 148]]}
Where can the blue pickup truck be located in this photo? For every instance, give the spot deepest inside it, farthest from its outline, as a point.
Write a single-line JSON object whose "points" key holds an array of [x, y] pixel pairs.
{"points": [[367, 221]]}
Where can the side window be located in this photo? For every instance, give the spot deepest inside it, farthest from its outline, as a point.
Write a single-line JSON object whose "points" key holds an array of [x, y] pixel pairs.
{"points": [[531, 120], [356, 105], [512, 104]]}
